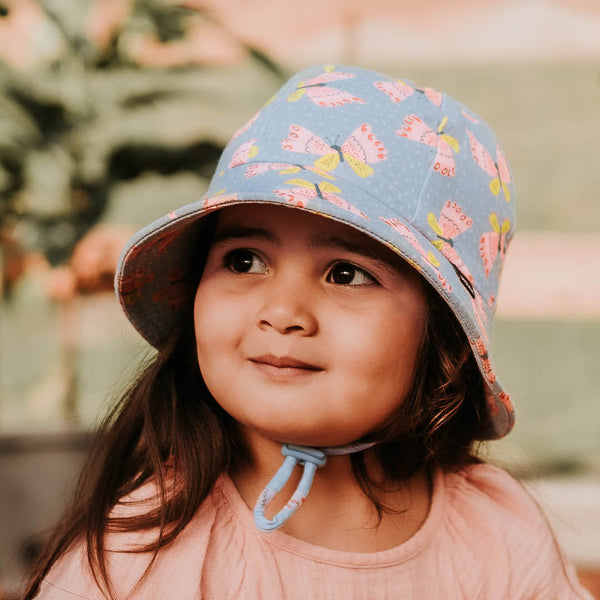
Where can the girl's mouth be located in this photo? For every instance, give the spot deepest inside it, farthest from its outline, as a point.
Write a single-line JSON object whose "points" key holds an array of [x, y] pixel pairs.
{"points": [[283, 364]]}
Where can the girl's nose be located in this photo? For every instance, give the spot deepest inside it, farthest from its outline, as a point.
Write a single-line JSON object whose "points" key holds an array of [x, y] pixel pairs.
{"points": [[288, 309]]}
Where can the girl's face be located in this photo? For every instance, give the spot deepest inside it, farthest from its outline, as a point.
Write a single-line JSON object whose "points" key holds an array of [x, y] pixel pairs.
{"points": [[307, 330]]}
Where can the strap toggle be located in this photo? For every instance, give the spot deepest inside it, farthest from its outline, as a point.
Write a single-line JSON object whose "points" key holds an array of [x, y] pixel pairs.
{"points": [[311, 459]]}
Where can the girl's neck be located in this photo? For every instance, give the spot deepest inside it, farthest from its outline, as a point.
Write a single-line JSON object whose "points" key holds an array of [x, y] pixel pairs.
{"points": [[337, 514]]}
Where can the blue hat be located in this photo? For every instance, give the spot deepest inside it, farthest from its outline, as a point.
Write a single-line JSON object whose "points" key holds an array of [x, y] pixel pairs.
{"points": [[410, 167]]}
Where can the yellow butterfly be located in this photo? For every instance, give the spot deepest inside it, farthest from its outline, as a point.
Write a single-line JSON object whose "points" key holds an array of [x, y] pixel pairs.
{"points": [[360, 149]]}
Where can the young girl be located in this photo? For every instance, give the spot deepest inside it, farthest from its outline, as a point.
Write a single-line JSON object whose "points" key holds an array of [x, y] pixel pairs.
{"points": [[329, 300]]}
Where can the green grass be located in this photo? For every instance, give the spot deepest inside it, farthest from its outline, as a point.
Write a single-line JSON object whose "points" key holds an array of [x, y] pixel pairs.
{"points": [[551, 370]]}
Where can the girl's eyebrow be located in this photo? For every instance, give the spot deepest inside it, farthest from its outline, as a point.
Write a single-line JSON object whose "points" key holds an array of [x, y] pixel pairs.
{"points": [[240, 232], [354, 247], [320, 240]]}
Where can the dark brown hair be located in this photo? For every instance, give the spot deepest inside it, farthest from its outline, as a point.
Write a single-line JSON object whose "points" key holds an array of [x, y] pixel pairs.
{"points": [[169, 430]]}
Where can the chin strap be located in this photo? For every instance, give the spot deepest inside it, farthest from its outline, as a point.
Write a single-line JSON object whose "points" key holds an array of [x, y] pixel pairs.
{"points": [[311, 459]]}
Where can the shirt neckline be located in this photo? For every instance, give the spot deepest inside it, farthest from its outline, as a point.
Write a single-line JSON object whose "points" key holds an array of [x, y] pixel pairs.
{"points": [[287, 543]]}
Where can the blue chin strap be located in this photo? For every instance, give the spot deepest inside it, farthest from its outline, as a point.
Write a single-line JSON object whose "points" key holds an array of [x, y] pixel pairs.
{"points": [[311, 459]]}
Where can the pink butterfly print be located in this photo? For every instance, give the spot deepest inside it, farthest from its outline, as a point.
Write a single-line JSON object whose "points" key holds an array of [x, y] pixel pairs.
{"points": [[219, 198], [416, 129], [305, 191], [284, 168], [396, 90], [399, 227], [484, 356], [493, 243], [504, 398], [318, 92], [399, 91], [479, 311], [264, 167], [253, 119], [247, 126], [433, 95], [359, 150], [471, 118], [450, 224], [498, 170], [131, 286], [163, 242], [244, 153], [490, 400]]}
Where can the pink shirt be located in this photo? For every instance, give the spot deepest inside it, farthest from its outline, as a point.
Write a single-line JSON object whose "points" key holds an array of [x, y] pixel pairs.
{"points": [[484, 538]]}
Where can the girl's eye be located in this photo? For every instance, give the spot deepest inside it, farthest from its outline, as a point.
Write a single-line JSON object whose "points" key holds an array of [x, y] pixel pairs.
{"points": [[245, 261], [344, 273]]}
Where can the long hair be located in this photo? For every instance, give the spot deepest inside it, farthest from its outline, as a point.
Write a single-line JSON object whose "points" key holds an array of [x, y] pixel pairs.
{"points": [[167, 429]]}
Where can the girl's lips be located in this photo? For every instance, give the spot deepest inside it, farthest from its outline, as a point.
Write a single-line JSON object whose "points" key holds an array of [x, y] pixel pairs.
{"points": [[283, 362]]}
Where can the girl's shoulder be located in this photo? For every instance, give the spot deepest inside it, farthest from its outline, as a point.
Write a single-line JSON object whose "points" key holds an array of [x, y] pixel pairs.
{"points": [[488, 486], [169, 575], [488, 513], [495, 506]]}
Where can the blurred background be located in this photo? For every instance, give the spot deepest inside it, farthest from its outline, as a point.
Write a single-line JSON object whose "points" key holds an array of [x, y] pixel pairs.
{"points": [[112, 112]]}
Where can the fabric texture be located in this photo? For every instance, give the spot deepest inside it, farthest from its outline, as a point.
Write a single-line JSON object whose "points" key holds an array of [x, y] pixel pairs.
{"points": [[484, 537], [409, 166]]}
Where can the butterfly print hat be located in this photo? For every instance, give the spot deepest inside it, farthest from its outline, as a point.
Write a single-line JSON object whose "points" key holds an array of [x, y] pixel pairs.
{"points": [[409, 166]]}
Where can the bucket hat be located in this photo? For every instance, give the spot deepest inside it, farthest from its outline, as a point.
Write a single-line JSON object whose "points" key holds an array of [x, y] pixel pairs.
{"points": [[410, 167]]}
